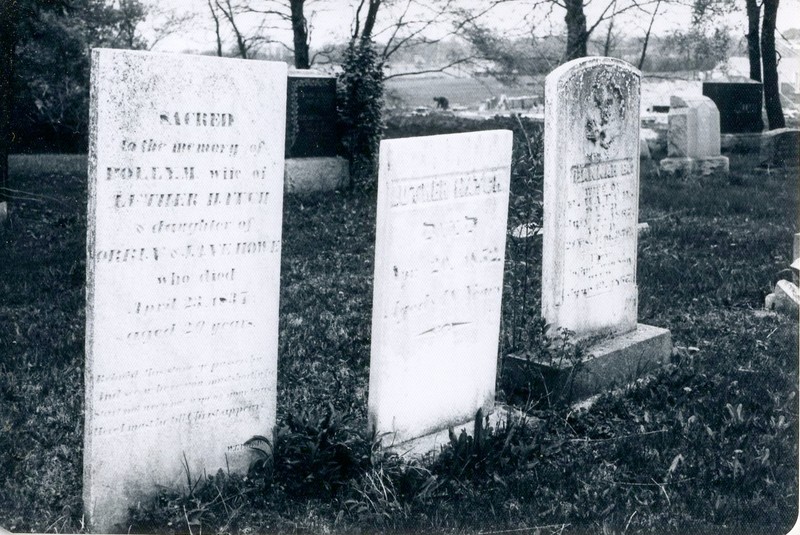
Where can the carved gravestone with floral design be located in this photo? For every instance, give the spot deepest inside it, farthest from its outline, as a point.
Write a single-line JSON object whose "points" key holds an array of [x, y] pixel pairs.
{"points": [[591, 209]]}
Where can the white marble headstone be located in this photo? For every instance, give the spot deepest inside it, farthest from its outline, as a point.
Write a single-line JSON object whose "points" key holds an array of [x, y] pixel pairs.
{"points": [[439, 255], [693, 127], [591, 197], [184, 242]]}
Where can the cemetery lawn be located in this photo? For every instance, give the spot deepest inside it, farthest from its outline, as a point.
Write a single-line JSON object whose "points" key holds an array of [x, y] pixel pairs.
{"points": [[708, 444]]}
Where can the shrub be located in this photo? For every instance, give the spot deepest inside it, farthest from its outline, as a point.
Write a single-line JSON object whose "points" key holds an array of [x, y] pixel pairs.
{"points": [[360, 98]]}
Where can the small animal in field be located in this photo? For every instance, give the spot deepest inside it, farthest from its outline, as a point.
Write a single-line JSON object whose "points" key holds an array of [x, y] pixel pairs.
{"points": [[441, 102]]}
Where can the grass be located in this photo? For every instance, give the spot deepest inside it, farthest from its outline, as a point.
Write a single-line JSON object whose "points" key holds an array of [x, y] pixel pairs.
{"points": [[709, 444], [413, 91]]}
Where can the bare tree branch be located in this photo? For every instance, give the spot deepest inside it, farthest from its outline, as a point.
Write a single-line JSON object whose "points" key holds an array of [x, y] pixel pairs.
{"points": [[647, 36], [229, 14]]}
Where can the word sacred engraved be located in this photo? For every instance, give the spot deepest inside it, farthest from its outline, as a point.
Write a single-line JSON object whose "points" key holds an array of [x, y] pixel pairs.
{"points": [[196, 119]]}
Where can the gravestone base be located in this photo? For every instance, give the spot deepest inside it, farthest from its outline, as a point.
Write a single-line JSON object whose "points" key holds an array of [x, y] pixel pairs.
{"points": [[307, 175], [740, 143], [429, 446], [609, 363], [710, 167]]}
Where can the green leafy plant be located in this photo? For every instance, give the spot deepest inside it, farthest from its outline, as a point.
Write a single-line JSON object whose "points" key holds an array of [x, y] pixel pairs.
{"points": [[262, 468], [317, 454]]}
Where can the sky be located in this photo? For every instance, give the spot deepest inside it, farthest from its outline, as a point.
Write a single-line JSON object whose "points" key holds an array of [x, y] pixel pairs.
{"points": [[330, 21]]}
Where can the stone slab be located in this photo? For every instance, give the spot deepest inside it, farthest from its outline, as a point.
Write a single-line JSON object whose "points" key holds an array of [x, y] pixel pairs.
{"points": [[681, 168], [439, 257], [3, 212], [183, 271], [591, 197], [780, 148], [740, 143], [308, 175], [610, 363]]}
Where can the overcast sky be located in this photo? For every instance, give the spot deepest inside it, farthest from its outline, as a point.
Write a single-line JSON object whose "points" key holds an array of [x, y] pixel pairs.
{"points": [[331, 20]]}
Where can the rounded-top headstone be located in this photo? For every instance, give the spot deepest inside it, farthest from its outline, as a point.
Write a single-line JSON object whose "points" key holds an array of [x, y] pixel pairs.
{"points": [[591, 195]]}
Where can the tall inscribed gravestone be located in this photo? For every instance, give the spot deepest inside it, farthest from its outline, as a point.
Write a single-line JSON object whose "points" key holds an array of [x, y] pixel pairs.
{"points": [[184, 241], [591, 210], [439, 256]]}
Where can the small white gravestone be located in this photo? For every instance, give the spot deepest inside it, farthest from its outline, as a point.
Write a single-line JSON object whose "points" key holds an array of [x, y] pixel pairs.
{"points": [[693, 140], [591, 206], [439, 256], [785, 297], [184, 241], [796, 246]]}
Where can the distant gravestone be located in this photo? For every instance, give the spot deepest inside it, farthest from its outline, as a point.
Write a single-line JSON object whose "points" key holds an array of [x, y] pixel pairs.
{"points": [[739, 106], [591, 207], [439, 257], [781, 148], [311, 119], [693, 147], [312, 134], [184, 241]]}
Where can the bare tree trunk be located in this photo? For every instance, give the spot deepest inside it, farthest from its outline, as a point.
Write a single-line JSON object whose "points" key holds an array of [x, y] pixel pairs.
{"points": [[753, 45], [216, 27], [372, 16], [647, 36], [576, 30], [772, 99], [8, 43], [300, 34]]}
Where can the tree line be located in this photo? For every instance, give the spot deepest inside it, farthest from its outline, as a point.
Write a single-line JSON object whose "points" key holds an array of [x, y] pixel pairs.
{"points": [[45, 44]]}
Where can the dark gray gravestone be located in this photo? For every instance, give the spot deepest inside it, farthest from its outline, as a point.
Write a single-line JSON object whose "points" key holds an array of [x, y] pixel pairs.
{"points": [[311, 121], [739, 106], [781, 148]]}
